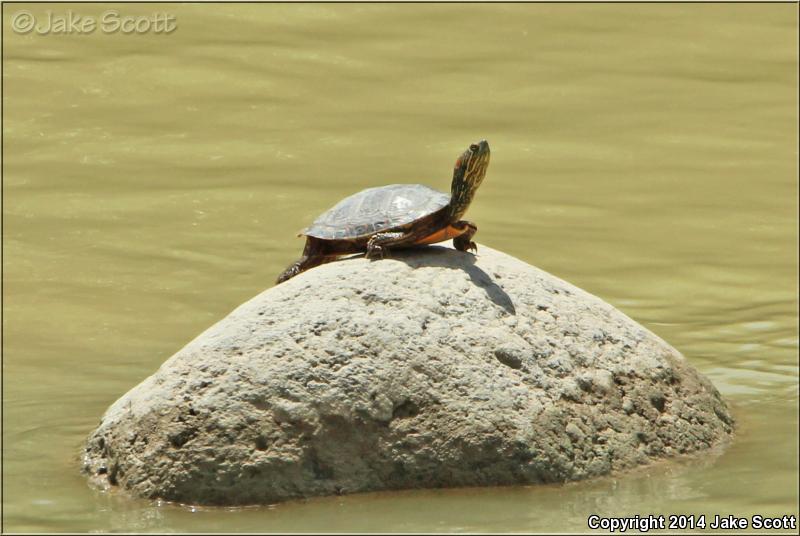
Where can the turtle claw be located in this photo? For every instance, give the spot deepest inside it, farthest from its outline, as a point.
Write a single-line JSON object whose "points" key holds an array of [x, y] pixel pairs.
{"points": [[465, 245], [374, 251]]}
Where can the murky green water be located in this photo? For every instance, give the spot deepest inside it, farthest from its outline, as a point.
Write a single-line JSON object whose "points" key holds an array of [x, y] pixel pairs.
{"points": [[153, 182]]}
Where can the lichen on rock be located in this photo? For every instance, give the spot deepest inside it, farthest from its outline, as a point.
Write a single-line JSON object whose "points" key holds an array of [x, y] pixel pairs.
{"points": [[433, 368]]}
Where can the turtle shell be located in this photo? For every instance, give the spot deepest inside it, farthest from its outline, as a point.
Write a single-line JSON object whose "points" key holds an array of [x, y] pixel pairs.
{"points": [[377, 209]]}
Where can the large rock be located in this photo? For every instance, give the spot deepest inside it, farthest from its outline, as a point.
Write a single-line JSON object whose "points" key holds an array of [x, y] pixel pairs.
{"points": [[434, 368]]}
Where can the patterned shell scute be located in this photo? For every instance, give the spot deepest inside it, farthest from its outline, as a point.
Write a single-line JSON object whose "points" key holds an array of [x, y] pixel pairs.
{"points": [[377, 209]]}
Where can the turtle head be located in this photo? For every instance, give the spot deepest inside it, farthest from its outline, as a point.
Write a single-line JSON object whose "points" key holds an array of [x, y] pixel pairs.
{"points": [[470, 169]]}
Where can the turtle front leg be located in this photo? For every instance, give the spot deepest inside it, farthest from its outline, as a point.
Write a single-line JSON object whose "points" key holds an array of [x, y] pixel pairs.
{"points": [[380, 242], [463, 242]]}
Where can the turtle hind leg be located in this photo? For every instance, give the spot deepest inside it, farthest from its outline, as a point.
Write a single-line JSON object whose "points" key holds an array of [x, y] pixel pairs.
{"points": [[313, 255], [463, 242], [302, 264], [293, 269]]}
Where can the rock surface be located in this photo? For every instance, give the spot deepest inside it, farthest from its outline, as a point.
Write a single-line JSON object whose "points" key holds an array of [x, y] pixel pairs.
{"points": [[430, 369]]}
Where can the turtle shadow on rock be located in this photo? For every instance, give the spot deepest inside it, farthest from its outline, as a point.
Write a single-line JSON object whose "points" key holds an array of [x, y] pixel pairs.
{"points": [[444, 257]]}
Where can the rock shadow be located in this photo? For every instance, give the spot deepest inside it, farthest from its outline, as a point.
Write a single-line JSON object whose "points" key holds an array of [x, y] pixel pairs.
{"points": [[444, 257]]}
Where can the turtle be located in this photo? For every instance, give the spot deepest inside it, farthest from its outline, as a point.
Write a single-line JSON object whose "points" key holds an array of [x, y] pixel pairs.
{"points": [[376, 220]]}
